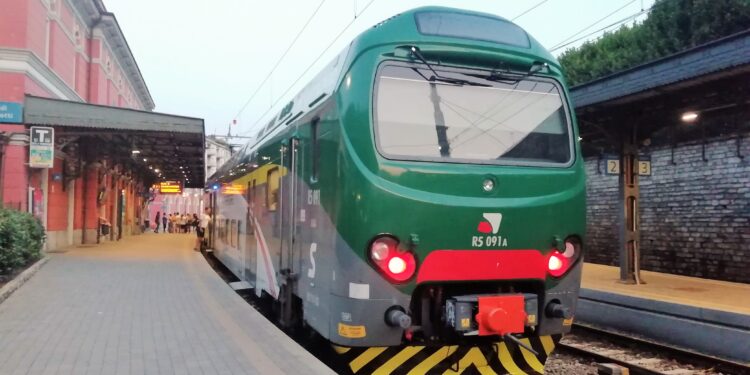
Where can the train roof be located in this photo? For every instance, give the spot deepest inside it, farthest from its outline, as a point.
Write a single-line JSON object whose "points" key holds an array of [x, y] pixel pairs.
{"points": [[430, 24]]}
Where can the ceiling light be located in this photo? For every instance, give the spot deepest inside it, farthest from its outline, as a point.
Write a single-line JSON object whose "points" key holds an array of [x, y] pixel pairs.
{"points": [[145, 160], [136, 151], [689, 116], [157, 170]]}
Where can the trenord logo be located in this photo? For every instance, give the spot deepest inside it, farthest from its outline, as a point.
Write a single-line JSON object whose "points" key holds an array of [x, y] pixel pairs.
{"points": [[492, 223]]}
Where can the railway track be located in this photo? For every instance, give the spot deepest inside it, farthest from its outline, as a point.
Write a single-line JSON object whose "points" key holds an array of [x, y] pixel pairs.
{"points": [[642, 356]]}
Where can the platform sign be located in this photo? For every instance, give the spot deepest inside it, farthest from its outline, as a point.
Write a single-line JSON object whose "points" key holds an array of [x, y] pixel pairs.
{"points": [[644, 167], [613, 166], [170, 187], [42, 147], [11, 113]]}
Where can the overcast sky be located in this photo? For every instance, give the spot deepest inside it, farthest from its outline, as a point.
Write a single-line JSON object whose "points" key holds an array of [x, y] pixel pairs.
{"points": [[205, 58]]}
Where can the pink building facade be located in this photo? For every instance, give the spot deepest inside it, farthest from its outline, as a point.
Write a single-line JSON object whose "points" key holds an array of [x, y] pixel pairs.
{"points": [[71, 50]]}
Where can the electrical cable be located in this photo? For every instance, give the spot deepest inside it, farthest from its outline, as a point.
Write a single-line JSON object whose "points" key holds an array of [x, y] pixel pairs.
{"points": [[252, 127], [628, 18], [556, 45], [528, 10], [278, 62]]}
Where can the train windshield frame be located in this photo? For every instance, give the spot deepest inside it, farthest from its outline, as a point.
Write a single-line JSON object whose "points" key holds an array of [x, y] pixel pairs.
{"points": [[522, 121]]}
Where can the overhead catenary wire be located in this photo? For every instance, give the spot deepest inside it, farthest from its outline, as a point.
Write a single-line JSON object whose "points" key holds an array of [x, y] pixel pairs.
{"points": [[528, 10], [335, 39], [278, 62], [626, 19], [556, 45]]}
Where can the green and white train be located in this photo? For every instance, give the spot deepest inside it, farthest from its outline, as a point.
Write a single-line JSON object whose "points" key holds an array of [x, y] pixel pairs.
{"points": [[421, 203]]}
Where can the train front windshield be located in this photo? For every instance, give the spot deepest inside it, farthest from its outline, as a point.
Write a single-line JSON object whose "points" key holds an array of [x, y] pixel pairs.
{"points": [[470, 119]]}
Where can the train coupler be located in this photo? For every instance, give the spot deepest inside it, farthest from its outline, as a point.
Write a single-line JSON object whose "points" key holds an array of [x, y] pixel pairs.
{"points": [[486, 315]]}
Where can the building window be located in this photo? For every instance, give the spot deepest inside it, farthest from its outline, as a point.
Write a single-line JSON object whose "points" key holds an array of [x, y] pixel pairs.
{"points": [[77, 35]]}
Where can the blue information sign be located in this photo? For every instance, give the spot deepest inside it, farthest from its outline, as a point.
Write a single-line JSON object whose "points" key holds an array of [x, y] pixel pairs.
{"points": [[11, 112]]}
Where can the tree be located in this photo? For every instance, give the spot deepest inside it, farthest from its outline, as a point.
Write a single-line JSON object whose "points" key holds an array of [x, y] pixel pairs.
{"points": [[672, 26]]}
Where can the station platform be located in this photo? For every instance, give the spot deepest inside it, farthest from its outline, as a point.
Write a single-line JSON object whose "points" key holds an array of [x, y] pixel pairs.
{"points": [[144, 305], [708, 316]]}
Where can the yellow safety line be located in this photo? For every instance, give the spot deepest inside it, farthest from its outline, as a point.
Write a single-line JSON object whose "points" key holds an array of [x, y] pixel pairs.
{"points": [[531, 359], [365, 358], [507, 360], [547, 343], [433, 360], [473, 356], [341, 349], [398, 360]]}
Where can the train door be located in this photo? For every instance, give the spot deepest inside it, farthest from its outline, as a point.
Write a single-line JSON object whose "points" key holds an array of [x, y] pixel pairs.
{"points": [[289, 260]]}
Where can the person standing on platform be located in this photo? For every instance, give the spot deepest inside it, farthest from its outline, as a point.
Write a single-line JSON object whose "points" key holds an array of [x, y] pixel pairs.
{"points": [[183, 223], [164, 220], [157, 221], [194, 222], [201, 229]]}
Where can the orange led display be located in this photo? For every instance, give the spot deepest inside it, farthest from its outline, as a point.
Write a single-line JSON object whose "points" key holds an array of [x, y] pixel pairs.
{"points": [[170, 187]]}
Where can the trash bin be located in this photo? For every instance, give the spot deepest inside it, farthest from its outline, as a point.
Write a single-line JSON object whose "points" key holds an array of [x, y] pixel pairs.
{"points": [[104, 229]]}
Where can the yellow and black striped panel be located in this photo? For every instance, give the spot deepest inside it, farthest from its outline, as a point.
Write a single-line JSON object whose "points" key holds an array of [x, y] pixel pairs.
{"points": [[497, 358]]}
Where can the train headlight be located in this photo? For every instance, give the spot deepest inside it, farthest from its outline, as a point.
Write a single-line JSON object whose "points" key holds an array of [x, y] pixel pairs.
{"points": [[396, 265], [380, 249]]}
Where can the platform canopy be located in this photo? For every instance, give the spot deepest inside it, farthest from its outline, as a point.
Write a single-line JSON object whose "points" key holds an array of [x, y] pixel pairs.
{"points": [[173, 145], [712, 80]]}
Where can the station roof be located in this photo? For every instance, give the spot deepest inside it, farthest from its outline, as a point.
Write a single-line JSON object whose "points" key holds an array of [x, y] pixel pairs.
{"points": [[173, 144], [707, 78]]}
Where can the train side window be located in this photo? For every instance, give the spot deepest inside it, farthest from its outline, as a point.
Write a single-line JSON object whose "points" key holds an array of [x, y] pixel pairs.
{"points": [[238, 228], [272, 189], [231, 233], [252, 196], [315, 148]]}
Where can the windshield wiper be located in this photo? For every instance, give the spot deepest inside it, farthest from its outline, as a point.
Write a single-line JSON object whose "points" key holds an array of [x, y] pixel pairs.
{"points": [[512, 78], [437, 77]]}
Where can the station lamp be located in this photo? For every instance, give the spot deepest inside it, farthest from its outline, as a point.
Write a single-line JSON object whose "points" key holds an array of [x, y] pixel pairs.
{"points": [[689, 117]]}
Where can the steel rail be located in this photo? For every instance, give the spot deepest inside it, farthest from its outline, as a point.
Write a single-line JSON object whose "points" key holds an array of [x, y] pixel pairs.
{"points": [[675, 353]]}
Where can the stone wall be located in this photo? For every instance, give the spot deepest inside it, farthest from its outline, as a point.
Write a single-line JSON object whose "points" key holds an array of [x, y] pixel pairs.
{"points": [[695, 214]]}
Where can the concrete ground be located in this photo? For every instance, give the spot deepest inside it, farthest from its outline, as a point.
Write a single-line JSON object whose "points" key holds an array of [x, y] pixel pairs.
{"points": [[144, 305]]}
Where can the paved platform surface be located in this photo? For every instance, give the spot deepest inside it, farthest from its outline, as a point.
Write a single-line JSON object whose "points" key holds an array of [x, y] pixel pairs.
{"points": [[693, 291], [144, 305], [708, 316]]}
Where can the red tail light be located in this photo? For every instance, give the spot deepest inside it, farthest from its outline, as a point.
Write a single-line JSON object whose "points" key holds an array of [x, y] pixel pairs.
{"points": [[397, 266], [559, 263]]}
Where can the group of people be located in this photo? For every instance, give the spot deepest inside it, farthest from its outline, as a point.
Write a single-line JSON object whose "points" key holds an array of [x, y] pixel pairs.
{"points": [[176, 222]]}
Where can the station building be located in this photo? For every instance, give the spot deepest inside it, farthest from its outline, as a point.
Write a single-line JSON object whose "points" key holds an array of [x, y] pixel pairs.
{"points": [[66, 65]]}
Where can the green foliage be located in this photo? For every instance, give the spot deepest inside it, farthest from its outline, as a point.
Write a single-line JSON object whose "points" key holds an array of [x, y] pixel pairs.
{"points": [[672, 26], [21, 239]]}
